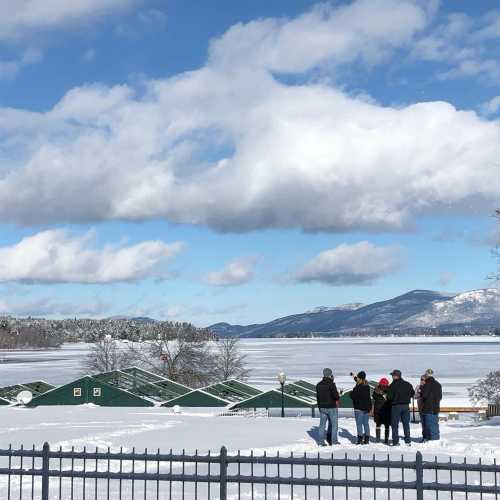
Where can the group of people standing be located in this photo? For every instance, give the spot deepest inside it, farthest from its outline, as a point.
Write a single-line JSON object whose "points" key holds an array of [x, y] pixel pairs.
{"points": [[388, 403]]}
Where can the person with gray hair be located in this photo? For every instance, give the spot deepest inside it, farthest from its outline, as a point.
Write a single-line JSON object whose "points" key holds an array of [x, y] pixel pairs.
{"points": [[432, 393], [328, 399]]}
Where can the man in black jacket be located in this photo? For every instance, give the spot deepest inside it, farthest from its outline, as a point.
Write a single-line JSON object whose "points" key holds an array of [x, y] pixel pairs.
{"points": [[328, 401], [431, 395], [399, 394]]}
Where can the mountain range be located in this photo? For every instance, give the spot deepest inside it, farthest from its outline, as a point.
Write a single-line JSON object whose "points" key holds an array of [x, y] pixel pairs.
{"points": [[412, 312]]}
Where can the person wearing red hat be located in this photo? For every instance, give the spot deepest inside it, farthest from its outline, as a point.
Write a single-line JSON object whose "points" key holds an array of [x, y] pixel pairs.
{"points": [[381, 410]]}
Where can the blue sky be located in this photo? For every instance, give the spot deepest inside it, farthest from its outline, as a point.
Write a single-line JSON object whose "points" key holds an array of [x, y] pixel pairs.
{"points": [[241, 161]]}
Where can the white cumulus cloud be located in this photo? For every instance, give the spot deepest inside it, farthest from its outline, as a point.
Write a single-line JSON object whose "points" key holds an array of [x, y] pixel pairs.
{"points": [[56, 256], [237, 272], [233, 147], [351, 264]]}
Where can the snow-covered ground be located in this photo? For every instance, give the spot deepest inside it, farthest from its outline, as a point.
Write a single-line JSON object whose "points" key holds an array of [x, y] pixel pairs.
{"points": [[154, 428], [151, 428]]}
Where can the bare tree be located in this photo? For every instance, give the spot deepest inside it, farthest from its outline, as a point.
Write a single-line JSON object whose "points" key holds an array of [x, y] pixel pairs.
{"points": [[486, 390], [105, 355], [229, 361], [180, 352]]}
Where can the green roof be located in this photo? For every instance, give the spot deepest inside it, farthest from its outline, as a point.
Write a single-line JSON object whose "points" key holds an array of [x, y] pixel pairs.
{"points": [[306, 385], [145, 375], [136, 384], [300, 392], [89, 390], [37, 387], [148, 377], [232, 390], [242, 387], [272, 399], [174, 387]]}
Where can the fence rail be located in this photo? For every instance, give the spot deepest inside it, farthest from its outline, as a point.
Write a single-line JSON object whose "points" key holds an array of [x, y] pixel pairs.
{"points": [[44, 474]]}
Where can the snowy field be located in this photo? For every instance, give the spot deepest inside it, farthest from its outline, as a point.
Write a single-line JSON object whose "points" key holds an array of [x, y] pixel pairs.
{"points": [[458, 362], [155, 428], [151, 428]]}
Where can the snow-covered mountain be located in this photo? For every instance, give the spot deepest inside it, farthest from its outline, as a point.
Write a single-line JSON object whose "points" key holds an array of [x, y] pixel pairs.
{"points": [[477, 307], [418, 309]]}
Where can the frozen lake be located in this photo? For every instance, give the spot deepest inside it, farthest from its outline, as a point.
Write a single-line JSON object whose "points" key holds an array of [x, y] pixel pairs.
{"points": [[457, 362]]}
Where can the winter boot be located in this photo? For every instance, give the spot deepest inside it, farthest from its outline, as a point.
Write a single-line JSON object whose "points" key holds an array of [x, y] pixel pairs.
{"points": [[377, 434], [360, 440], [366, 440], [386, 440]]}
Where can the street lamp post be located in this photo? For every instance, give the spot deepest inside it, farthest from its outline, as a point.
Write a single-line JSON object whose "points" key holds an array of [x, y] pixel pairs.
{"points": [[282, 380]]}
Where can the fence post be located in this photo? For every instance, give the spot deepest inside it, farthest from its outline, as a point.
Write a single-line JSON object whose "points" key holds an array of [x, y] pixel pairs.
{"points": [[45, 471], [419, 481], [223, 473]]}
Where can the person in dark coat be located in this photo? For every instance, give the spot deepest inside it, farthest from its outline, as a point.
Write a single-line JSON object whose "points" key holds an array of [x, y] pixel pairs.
{"points": [[327, 397], [362, 404], [399, 394], [431, 395], [381, 410]]}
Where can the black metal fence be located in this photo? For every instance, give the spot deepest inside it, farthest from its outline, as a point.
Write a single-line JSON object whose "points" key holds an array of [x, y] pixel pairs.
{"points": [[69, 475]]}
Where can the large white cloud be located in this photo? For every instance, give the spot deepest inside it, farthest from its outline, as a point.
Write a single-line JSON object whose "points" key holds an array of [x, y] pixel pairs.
{"points": [[357, 264], [56, 256], [233, 147]]}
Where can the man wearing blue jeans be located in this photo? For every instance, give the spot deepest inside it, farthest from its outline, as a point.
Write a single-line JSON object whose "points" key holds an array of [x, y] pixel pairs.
{"points": [[399, 394], [331, 416], [432, 394], [328, 398]]}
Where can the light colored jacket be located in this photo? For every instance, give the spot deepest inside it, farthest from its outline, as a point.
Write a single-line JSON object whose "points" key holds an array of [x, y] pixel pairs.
{"points": [[418, 396]]}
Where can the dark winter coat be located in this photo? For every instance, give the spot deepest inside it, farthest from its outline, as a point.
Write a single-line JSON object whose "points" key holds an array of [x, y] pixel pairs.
{"points": [[327, 395], [431, 395], [381, 407], [400, 392], [361, 399]]}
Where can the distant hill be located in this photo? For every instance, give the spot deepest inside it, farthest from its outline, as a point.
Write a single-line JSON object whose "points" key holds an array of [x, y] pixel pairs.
{"points": [[416, 310]]}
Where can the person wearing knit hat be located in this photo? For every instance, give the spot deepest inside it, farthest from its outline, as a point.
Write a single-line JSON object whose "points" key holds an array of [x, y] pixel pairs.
{"points": [[381, 410], [431, 395], [399, 394], [327, 397]]}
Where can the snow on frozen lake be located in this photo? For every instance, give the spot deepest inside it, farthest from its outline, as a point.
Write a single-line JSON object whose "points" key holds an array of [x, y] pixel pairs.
{"points": [[458, 362]]}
